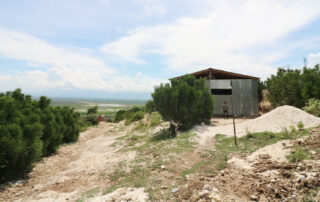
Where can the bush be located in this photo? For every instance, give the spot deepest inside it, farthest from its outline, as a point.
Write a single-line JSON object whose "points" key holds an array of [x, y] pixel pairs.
{"points": [[313, 107], [299, 154], [134, 116], [92, 115], [155, 119], [30, 129], [294, 87], [130, 115], [300, 125], [120, 115], [150, 107], [184, 103], [92, 110]]}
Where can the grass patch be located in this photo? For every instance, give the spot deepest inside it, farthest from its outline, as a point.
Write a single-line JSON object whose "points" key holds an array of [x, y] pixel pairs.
{"points": [[152, 153], [254, 141], [299, 153], [141, 126], [89, 194], [155, 119], [196, 167], [214, 160], [136, 177]]}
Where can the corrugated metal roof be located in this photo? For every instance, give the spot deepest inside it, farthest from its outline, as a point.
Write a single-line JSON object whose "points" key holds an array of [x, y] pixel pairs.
{"points": [[220, 74]]}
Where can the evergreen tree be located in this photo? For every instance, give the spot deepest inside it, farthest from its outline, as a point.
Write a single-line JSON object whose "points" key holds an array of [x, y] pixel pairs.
{"points": [[184, 103]]}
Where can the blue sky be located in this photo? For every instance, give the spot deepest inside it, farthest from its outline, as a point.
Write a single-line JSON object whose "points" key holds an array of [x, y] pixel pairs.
{"points": [[121, 49]]}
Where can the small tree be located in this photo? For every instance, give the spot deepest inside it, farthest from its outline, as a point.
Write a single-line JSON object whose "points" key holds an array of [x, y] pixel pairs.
{"points": [[184, 103], [294, 86], [92, 115], [149, 107], [92, 110]]}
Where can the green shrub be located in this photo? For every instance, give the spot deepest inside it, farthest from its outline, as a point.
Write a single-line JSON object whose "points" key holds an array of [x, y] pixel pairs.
{"points": [[136, 116], [130, 115], [30, 129], [83, 124], [120, 115], [155, 119], [92, 115], [300, 125], [92, 110], [294, 87], [184, 103], [299, 154], [150, 107], [313, 107]]}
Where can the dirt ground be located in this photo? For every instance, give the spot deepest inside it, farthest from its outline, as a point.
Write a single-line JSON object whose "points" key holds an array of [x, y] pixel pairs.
{"points": [[278, 119], [84, 167], [75, 168], [264, 175]]}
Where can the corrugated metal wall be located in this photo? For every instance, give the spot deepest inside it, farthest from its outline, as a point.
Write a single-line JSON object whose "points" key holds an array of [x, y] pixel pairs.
{"points": [[244, 98]]}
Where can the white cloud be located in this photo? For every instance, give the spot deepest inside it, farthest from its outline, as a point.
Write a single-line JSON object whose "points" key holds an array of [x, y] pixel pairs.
{"points": [[153, 7], [21, 46], [240, 36], [54, 79], [313, 59], [59, 68], [138, 83]]}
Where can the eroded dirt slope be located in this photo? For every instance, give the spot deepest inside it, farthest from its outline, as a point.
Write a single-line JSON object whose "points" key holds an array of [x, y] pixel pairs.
{"points": [[73, 170]]}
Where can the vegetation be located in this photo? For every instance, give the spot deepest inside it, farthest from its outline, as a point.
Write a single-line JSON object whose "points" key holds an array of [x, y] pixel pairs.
{"points": [[225, 148], [92, 110], [30, 129], [294, 87], [182, 103], [130, 115], [153, 152], [299, 154], [261, 86], [92, 115], [150, 107], [313, 107], [300, 125], [88, 194]]}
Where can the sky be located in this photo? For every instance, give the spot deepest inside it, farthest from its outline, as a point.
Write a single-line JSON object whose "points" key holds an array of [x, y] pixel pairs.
{"points": [[123, 48]]}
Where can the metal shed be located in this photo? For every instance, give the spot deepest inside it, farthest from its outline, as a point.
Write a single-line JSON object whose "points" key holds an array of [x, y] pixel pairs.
{"points": [[238, 90]]}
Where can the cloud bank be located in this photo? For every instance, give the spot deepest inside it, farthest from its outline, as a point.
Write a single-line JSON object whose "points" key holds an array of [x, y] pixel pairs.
{"points": [[241, 36], [244, 36], [58, 68]]}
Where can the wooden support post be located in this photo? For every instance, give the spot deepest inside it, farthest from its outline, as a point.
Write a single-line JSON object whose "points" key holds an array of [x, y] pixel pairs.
{"points": [[234, 132], [210, 75], [234, 123]]}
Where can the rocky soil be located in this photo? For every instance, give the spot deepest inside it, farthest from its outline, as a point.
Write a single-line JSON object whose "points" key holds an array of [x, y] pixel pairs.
{"points": [[261, 176]]}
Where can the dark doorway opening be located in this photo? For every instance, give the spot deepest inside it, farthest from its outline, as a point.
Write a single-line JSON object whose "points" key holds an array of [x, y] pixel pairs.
{"points": [[221, 91]]}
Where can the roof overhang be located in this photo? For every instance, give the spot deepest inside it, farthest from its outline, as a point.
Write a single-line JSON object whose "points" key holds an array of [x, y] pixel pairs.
{"points": [[219, 74]]}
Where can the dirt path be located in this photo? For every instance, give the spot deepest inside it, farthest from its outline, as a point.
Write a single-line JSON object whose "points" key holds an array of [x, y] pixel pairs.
{"points": [[75, 168]]}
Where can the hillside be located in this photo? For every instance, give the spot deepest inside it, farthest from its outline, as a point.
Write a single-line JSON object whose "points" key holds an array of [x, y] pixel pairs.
{"points": [[136, 162]]}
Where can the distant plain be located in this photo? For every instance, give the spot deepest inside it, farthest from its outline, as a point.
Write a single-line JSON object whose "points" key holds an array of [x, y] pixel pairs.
{"points": [[106, 107]]}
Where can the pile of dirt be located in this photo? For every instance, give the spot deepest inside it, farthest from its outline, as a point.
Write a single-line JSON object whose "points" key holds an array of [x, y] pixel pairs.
{"points": [[274, 121], [262, 177]]}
